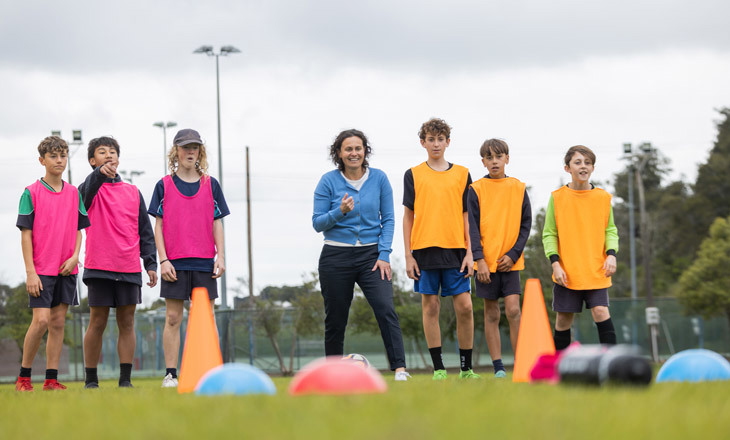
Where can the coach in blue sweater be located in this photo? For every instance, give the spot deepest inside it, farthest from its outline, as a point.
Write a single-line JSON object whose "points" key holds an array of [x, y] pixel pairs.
{"points": [[353, 206]]}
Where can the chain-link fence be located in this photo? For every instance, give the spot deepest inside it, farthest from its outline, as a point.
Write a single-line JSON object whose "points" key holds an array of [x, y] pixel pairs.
{"points": [[283, 351]]}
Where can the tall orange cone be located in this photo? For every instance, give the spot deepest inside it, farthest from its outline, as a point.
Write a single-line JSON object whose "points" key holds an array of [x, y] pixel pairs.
{"points": [[535, 338], [202, 351]]}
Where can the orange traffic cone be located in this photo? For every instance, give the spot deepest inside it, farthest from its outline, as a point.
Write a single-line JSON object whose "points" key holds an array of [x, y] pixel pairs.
{"points": [[202, 351], [535, 338]]}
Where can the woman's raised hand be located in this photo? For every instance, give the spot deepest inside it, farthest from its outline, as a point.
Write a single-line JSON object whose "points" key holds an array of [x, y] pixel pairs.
{"points": [[347, 204]]}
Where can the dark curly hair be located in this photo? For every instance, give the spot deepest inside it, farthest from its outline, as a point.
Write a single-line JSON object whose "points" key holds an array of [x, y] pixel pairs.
{"points": [[435, 126], [337, 146], [106, 141]]}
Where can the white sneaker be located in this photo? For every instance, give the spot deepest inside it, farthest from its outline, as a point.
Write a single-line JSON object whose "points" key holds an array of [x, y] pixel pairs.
{"points": [[169, 381], [401, 376]]}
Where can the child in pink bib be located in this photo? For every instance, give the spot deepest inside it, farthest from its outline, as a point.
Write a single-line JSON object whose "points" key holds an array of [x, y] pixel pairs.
{"points": [[188, 206]]}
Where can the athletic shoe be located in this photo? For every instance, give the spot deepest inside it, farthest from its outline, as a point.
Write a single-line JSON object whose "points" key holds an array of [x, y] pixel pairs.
{"points": [[439, 375], [401, 376], [169, 381], [23, 384], [91, 385], [500, 374], [125, 384], [469, 374], [52, 385]]}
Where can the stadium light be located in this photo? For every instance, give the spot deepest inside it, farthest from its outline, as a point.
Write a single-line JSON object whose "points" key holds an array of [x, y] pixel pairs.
{"points": [[164, 126], [223, 51]]}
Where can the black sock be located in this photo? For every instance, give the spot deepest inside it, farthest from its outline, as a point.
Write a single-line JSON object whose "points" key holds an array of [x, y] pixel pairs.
{"points": [[465, 356], [24, 372], [497, 364], [125, 373], [172, 371], [438, 362], [562, 339], [91, 375], [606, 332], [51, 374]]}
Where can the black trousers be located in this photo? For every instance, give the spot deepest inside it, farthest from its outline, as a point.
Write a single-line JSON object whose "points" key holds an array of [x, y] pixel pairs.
{"points": [[339, 269]]}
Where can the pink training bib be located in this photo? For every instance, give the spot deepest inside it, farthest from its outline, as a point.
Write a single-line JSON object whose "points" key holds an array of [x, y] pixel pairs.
{"points": [[112, 240], [55, 226], [187, 221]]}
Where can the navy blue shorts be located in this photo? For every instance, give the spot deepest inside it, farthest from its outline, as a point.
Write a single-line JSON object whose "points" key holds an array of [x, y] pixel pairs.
{"points": [[56, 290], [186, 281], [503, 284], [109, 293], [448, 282], [571, 301]]}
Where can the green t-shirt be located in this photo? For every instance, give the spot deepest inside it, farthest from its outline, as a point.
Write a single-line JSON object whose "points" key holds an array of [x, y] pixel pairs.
{"points": [[26, 210]]}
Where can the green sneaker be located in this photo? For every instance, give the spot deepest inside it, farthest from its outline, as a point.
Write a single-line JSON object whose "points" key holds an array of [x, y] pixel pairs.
{"points": [[439, 375], [500, 374], [469, 374]]}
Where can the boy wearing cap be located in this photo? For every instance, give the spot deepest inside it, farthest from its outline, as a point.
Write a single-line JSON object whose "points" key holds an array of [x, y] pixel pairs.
{"points": [[188, 206], [120, 234]]}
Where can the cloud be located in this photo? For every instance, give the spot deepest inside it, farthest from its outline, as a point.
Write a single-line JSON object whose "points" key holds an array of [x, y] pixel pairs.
{"points": [[91, 36]]}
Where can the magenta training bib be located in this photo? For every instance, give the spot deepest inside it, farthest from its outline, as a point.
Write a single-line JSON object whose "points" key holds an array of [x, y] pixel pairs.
{"points": [[112, 240], [187, 222], [55, 226]]}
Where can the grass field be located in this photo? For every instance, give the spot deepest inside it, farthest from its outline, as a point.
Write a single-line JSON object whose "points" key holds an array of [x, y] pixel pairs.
{"points": [[419, 409]]}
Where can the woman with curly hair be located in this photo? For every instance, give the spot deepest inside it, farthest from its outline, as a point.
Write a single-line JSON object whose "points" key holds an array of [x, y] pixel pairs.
{"points": [[188, 206], [353, 207]]}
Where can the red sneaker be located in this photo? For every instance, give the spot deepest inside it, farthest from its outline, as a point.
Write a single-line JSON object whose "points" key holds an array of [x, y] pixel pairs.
{"points": [[52, 384], [23, 384]]}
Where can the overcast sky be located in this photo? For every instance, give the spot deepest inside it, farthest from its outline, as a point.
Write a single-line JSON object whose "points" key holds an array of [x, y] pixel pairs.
{"points": [[541, 75]]}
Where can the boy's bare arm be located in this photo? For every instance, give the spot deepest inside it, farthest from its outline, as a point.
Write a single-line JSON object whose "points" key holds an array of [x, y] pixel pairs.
{"points": [[411, 266], [167, 271], [219, 266], [32, 282], [68, 266]]}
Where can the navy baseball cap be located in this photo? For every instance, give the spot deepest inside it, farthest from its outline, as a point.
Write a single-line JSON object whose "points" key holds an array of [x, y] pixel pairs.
{"points": [[187, 136]]}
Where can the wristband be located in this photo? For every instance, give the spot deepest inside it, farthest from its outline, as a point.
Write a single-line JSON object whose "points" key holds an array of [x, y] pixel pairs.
{"points": [[166, 259]]}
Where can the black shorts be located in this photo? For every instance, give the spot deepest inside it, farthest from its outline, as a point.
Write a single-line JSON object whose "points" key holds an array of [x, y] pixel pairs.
{"points": [[109, 293], [502, 284], [571, 301], [186, 281], [56, 290]]}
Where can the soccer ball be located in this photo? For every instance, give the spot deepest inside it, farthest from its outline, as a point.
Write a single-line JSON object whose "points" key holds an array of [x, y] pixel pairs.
{"points": [[357, 359]]}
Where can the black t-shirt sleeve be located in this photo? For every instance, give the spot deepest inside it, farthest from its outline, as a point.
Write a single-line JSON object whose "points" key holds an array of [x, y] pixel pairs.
{"points": [[25, 221], [465, 196], [147, 247], [158, 195], [475, 235], [525, 227], [409, 190]]}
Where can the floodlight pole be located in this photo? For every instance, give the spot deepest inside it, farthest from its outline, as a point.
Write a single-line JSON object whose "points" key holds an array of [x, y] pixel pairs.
{"points": [[77, 142], [224, 50], [164, 126], [652, 312]]}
